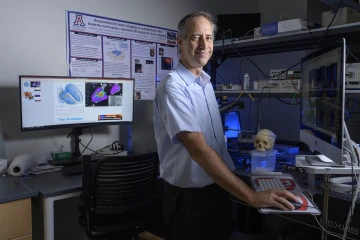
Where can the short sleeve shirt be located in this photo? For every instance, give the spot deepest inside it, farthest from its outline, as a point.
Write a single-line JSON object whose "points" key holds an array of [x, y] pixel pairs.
{"points": [[184, 102]]}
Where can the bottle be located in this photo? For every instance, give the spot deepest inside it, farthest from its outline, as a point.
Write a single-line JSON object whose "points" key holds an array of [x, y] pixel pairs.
{"points": [[225, 138], [246, 81]]}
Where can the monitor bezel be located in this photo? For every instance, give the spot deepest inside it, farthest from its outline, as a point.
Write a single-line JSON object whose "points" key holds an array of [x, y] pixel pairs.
{"points": [[335, 153], [78, 125]]}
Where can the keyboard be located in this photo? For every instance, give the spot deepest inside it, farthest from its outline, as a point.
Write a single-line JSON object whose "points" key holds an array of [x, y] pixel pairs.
{"points": [[75, 169], [65, 162], [74, 161], [271, 183]]}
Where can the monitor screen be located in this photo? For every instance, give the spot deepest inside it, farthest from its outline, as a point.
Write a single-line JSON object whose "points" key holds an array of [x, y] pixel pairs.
{"points": [[48, 102], [322, 102]]}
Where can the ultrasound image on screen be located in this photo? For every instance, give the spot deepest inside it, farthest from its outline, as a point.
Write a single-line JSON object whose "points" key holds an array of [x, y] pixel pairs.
{"points": [[103, 94]]}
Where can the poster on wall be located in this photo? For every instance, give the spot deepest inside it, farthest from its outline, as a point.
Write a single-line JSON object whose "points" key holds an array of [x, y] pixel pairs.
{"points": [[106, 47]]}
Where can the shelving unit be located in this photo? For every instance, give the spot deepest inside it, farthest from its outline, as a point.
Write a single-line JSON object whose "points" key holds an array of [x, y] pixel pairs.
{"points": [[286, 42], [275, 93]]}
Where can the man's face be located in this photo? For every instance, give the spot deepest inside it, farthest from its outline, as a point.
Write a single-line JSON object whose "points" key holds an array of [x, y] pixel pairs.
{"points": [[197, 48]]}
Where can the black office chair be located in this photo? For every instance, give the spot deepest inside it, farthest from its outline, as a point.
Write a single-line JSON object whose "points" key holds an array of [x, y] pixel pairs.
{"points": [[120, 196]]}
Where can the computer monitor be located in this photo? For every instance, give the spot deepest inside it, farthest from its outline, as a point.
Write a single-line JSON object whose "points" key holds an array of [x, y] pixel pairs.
{"points": [[48, 102], [322, 125]]}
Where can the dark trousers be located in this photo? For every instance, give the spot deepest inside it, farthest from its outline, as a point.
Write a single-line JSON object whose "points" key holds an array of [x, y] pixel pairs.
{"points": [[196, 213]]}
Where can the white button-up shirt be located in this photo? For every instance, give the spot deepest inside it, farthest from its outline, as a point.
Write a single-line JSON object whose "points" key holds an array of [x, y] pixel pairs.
{"points": [[184, 102]]}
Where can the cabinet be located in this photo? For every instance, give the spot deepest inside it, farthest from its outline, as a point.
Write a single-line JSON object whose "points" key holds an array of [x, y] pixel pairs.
{"points": [[15, 220]]}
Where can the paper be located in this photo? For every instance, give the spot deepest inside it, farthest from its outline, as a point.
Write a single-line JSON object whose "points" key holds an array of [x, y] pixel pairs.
{"points": [[20, 164]]}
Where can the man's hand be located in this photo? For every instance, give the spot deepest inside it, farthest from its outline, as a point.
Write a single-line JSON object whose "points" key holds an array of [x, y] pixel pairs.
{"points": [[274, 198]]}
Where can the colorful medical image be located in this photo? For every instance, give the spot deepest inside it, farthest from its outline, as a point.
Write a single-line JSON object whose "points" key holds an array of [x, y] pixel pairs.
{"points": [[103, 94], [28, 95], [70, 94], [35, 84], [166, 63]]}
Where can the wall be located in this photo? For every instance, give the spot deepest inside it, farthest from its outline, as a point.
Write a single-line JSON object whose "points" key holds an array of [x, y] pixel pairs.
{"points": [[34, 43]]}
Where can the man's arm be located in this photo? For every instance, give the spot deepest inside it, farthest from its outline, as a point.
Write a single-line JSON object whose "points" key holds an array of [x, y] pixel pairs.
{"points": [[210, 161]]}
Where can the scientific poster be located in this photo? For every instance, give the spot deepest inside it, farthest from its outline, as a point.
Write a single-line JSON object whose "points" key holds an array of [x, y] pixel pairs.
{"points": [[106, 47]]}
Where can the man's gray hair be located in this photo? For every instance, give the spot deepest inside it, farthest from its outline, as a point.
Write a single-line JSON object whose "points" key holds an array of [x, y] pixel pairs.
{"points": [[182, 26]]}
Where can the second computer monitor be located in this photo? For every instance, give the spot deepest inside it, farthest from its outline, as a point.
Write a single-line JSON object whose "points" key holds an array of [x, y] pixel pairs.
{"points": [[322, 102]]}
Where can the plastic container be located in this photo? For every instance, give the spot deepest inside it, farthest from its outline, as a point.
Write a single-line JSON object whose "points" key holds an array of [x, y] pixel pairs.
{"points": [[263, 161], [246, 81]]}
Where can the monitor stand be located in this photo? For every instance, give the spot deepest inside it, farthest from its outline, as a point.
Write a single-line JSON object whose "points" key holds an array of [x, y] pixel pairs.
{"points": [[348, 146], [76, 132]]}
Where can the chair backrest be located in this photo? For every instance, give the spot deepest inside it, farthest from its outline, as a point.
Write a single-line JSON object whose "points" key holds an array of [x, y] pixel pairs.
{"points": [[120, 184]]}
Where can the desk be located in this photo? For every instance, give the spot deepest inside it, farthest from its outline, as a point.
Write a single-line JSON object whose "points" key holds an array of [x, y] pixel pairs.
{"points": [[336, 215], [53, 187], [326, 171], [15, 208]]}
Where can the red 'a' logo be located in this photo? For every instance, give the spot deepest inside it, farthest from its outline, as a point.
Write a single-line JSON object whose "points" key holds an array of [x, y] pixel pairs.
{"points": [[79, 21]]}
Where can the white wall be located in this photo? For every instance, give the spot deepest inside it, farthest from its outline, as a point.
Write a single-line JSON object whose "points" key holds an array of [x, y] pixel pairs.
{"points": [[33, 42]]}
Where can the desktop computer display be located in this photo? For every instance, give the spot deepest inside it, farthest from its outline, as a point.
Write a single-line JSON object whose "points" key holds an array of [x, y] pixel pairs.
{"points": [[322, 103], [58, 102]]}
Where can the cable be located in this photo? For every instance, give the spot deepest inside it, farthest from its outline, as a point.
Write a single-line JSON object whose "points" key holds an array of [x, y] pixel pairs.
{"points": [[88, 143], [287, 102], [232, 44], [284, 16], [332, 234], [327, 29]]}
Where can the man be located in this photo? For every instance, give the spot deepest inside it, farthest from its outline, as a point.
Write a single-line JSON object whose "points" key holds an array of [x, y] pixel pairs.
{"points": [[194, 162]]}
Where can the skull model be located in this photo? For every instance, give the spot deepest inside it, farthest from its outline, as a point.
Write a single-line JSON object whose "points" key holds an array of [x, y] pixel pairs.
{"points": [[264, 140]]}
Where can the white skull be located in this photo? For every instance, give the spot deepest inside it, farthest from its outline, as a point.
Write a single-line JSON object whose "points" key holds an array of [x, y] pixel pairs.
{"points": [[264, 140]]}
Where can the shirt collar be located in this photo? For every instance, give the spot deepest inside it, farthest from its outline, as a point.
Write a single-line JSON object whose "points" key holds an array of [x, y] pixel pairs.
{"points": [[188, 77]]}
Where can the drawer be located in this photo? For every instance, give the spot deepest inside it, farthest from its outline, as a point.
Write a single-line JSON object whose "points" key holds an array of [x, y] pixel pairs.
{"points": [[15, 219]]}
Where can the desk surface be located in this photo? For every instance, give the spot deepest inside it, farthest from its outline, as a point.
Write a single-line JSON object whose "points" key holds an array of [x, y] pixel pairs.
{"points": [[12, 189], [55, 184]]}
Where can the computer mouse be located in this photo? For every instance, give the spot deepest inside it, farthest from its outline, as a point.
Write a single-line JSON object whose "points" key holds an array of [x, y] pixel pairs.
{"points": [[296, 205]]}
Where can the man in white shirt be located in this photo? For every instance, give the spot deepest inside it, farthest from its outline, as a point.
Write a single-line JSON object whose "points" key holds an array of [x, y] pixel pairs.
{"points": [[194, 162]]}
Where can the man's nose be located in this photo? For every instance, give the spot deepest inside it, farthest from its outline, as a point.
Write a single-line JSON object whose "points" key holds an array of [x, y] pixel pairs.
{"points": [[202, 43]]}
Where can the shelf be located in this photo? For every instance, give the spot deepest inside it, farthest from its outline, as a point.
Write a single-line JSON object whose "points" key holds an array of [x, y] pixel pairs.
{"points": [[272, 94], [285, 42], [276, 93], [346, 3]]}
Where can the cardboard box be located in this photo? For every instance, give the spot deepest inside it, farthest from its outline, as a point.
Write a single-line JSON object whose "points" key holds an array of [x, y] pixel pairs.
{"points": [[344, 15], [285, 26]]}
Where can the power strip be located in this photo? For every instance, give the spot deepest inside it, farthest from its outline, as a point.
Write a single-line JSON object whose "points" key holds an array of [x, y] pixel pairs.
{"points": [[286, 84], [352, 76], [231, 86], [283, 74]]}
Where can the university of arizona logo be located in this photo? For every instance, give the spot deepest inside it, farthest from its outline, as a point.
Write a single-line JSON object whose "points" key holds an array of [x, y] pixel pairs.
{"points": [[79, 21]]}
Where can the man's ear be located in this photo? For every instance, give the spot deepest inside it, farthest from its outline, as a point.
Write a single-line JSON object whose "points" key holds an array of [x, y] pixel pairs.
{"points": [[179, 41]]}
